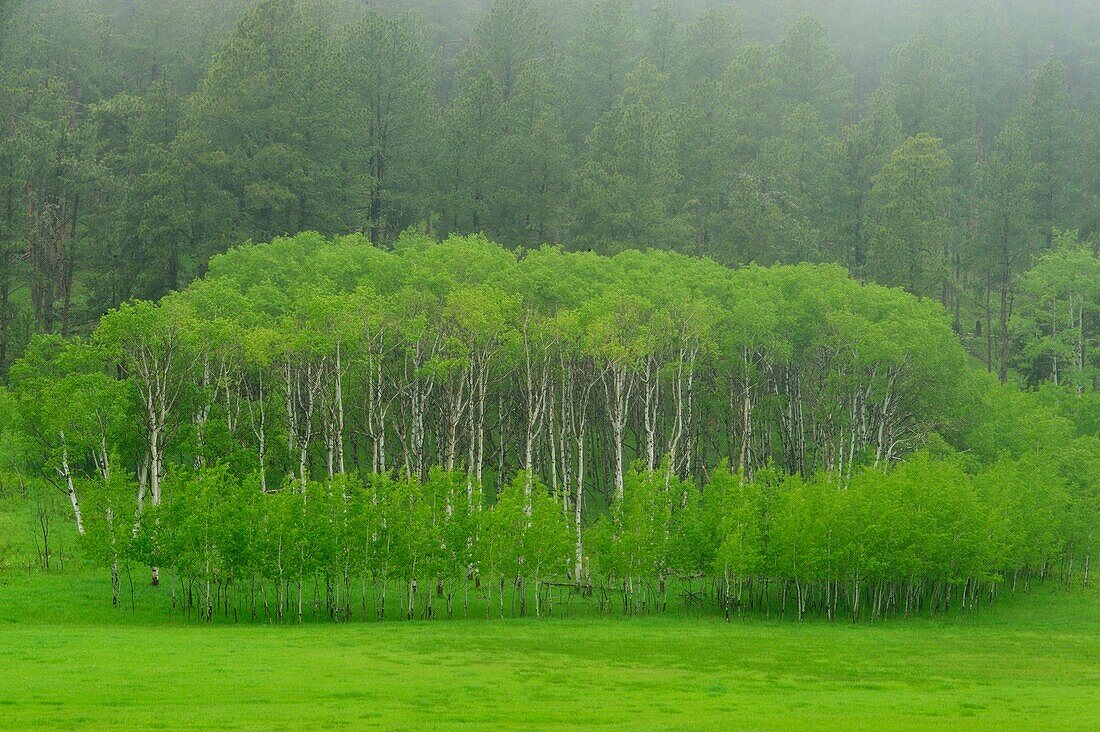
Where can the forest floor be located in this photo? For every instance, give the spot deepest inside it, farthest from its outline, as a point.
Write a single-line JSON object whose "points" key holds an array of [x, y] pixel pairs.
{"points": [[69, 660]]}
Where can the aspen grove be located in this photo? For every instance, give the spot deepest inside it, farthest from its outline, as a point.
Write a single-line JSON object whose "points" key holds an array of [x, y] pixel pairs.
{"points": [[322, 427]]}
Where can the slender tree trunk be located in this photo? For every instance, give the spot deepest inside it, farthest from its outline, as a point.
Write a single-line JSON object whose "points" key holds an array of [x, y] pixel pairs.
{"points": [[67, 475]]}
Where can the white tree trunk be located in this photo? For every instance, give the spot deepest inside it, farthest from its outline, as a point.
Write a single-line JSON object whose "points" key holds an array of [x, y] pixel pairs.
{"points": [[67, 474]]}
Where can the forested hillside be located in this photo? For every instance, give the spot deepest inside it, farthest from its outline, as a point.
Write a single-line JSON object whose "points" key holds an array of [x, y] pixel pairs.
{"points": [[947, 148]]}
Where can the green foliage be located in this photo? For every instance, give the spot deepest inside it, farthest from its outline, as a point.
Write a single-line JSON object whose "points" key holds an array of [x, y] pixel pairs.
{"points": [[451, 413], [1059, 318], [910, 198]]}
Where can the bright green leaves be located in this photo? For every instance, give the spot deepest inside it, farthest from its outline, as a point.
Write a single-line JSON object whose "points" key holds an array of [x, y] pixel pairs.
{"points": [[1058, 320]]}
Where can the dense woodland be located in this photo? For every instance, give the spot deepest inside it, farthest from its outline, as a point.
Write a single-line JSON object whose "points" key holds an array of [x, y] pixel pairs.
{"points": [[448, 413], [755, 305], [939, 147]]}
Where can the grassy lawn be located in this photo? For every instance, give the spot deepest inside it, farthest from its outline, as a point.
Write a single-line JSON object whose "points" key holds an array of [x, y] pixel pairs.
{"points": [[70, 660], [67, 660]]}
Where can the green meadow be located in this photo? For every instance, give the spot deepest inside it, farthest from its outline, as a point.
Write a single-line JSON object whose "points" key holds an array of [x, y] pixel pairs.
{"points": [[68, 661]]}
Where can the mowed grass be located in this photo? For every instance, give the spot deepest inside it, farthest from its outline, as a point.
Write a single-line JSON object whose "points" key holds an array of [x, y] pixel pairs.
{"points": [[69, 661]]}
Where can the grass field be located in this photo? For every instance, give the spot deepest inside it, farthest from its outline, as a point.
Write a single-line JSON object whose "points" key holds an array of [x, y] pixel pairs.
{"points": [[69, 660]]}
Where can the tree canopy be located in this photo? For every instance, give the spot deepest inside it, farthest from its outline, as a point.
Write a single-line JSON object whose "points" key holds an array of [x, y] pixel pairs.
{"points": [[452, 409]]}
